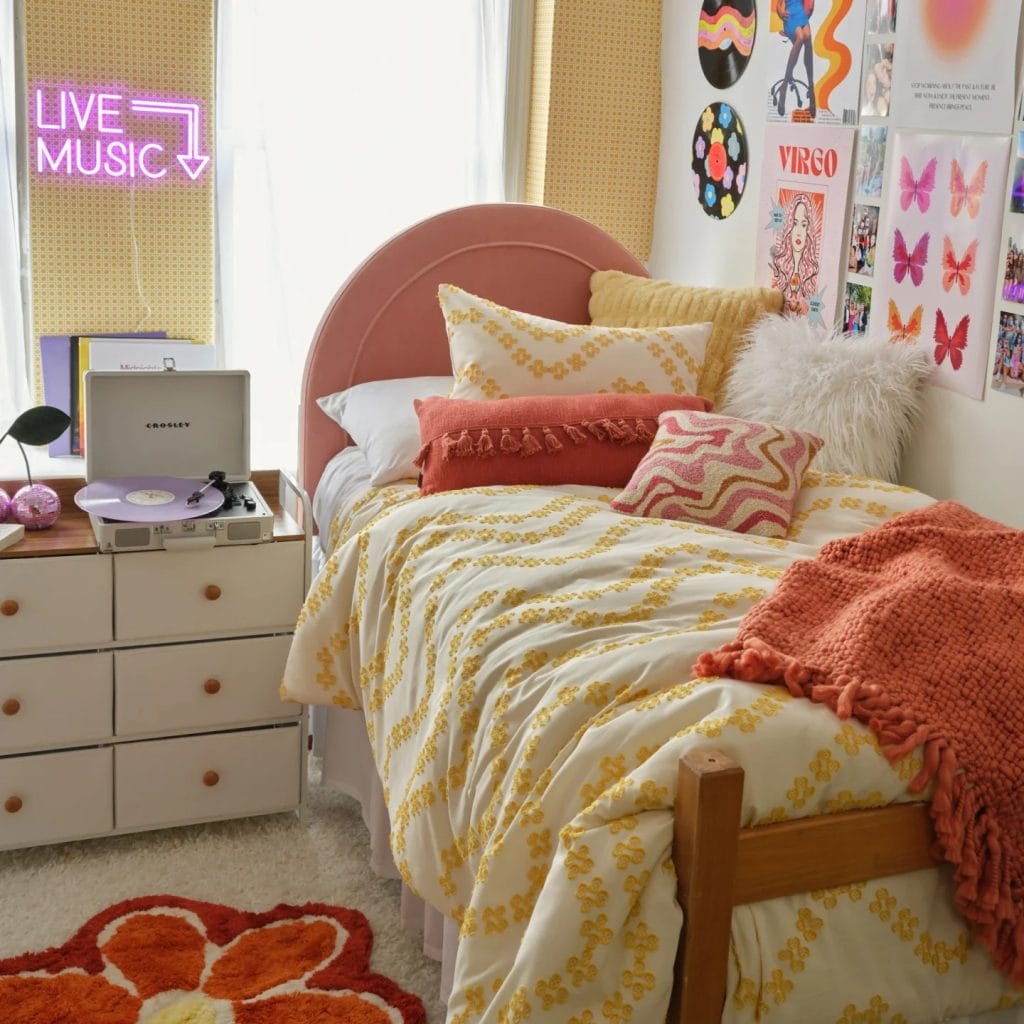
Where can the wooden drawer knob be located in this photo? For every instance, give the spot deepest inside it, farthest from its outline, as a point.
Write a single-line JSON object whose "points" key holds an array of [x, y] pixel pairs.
{"points": [[212, 592], [212, 686], [11, 706], [12, 804], [210, 779], [9, 607]]}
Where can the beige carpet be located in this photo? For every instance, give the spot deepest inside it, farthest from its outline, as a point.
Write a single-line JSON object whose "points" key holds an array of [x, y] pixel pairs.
{"points": [[47, 892]]}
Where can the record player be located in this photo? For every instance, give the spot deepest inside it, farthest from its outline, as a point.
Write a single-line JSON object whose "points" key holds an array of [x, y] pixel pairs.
{"points": [[167, 461]]}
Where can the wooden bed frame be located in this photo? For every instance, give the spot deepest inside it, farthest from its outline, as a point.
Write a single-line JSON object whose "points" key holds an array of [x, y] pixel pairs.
{"points": [[385, 322]]}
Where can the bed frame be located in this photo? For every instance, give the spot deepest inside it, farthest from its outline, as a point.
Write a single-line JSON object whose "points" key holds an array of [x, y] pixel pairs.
{"points": [[385, 322]]}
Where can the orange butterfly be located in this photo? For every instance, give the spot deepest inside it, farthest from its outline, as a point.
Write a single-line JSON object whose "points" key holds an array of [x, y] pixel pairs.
{"points": [[907, 332], [961, 194], [956, 271]]}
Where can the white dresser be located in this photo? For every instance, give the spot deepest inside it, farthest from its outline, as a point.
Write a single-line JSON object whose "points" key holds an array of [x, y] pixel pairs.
{"points": [[140, 690]]}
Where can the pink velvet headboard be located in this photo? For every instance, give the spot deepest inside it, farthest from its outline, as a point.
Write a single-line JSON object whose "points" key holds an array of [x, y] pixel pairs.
{"points": [[385, 321]]}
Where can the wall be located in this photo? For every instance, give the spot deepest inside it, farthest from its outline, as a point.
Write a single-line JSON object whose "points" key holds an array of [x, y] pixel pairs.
{"points": [[122, 254], [964, 450]]}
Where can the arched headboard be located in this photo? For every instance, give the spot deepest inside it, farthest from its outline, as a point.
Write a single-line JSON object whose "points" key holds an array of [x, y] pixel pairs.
{"points": [[385, 321]]}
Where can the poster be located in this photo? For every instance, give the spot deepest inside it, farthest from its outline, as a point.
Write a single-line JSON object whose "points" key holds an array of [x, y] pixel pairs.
{"points": [[957, 65], [814, 59], [805, 183], [938, 251]]}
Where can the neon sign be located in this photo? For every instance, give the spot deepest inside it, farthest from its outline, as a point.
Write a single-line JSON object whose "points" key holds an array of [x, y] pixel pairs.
{"points": [[106, 135]]}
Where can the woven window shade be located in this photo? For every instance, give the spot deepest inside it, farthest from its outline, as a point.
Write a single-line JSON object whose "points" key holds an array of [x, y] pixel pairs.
{"points": [[595, 114]]}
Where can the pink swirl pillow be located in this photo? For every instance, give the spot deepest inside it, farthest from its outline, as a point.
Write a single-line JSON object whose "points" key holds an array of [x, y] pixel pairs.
{"points": [[540, 439], [734, 474]]}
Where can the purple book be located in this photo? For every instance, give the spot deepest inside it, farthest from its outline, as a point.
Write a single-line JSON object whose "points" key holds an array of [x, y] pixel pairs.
{"points": [[55, 360]]}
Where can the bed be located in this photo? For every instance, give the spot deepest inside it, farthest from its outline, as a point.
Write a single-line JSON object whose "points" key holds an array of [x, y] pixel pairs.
{"points": [[538, 740]]}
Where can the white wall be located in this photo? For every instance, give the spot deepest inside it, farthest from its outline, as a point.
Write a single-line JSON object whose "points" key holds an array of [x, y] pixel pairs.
{"points": [[969, 451]]}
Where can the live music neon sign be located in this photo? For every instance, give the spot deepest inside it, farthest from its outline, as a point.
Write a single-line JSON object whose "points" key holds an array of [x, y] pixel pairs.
{"points": [[106, 135]]}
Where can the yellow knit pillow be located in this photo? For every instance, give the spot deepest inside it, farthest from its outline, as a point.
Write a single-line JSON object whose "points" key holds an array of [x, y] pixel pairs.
{"points": [[624, 300]]}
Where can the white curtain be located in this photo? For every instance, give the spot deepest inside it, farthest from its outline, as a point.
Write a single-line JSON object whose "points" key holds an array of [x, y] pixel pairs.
{"points": [[14, 385], [339, 124]]}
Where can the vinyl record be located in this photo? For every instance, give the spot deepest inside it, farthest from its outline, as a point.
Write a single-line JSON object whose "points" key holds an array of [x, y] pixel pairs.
{"points": [[726, 30], [147, 499], [719, 160]]}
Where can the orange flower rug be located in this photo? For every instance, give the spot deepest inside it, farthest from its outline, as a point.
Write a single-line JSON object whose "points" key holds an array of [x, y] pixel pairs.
{"points": [[167, 960]]}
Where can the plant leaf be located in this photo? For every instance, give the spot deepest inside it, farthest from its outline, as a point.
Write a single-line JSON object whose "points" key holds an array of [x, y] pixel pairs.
{"points": [[39, 425]]}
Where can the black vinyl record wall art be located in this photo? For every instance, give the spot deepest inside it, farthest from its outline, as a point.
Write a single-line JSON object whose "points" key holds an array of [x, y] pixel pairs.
{"points": [[726, 30], [719, 160]]}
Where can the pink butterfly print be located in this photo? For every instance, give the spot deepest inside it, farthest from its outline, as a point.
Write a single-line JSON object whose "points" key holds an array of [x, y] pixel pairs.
{"points": [[909, 262], [917, 190]]}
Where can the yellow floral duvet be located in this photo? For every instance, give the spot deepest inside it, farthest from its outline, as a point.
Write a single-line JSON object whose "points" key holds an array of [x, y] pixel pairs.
{"points": [[523, 656]]}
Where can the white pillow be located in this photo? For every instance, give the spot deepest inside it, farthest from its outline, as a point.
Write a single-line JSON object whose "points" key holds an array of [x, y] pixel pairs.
{"points": [[379, 417], [860, 395], [501, 353]]}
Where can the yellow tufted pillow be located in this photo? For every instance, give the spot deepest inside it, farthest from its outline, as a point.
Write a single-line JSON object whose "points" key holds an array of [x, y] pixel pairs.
{"points": [[500, 353], [624, 300]]}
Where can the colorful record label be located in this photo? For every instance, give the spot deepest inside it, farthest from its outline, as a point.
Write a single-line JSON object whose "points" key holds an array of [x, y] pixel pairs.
{"points": [[726, 30], [719, 160]]}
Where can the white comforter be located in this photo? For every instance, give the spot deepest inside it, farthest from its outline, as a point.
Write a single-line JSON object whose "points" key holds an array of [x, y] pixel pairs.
{"points": [[523, 658]]}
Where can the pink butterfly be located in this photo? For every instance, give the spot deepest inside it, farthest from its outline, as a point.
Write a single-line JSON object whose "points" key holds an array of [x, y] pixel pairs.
{"points": [[950, 345], [919, 190], [956, 271], [961, 194], [905, 262]]}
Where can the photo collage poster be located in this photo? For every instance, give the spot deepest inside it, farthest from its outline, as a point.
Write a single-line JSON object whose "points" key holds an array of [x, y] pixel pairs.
{"points": [[869, 165], [815, 61], [937, 261], [804, 194], [1008, 345]]}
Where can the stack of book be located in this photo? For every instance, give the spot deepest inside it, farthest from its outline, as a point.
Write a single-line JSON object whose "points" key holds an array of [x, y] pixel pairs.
{"points": [[65, 358]]}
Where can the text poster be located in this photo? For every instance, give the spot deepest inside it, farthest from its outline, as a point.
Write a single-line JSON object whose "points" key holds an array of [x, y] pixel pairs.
{"points": [[801, 247], [956, 65], [814, 57], [937, 266]]}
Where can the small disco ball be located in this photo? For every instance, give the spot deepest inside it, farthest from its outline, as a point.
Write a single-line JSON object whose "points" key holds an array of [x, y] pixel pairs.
{"points": [[35, 506], [5, 505]]}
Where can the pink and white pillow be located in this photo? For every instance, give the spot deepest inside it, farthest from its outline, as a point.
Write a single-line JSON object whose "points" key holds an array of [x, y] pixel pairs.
{"points": [[734, 474]]}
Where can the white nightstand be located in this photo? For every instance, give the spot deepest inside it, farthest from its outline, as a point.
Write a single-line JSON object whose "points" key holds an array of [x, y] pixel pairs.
{"points": [[140, 690]]}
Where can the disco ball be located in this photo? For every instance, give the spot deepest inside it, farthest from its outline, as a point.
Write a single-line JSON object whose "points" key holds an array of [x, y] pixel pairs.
{"points": [[35, 506], [5, 505]]}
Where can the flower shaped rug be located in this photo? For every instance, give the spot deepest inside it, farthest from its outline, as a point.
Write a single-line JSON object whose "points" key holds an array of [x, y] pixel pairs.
{"points": [[167, 960]]}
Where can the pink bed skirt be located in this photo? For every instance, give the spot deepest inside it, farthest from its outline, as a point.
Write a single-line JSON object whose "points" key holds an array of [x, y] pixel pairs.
{"points": [[348, 766]]}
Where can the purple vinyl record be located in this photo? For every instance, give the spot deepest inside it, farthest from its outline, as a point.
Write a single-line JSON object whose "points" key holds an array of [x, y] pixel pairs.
{"points": [[147, 499]]}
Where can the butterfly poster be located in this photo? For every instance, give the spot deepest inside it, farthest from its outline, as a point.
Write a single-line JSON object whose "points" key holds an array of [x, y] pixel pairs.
{"points": [[814, 51], [938, 250], [801, 246], [957, 61]]}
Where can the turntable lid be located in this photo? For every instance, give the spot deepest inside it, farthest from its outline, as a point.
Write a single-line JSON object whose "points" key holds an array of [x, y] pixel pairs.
{"points": [[171, 423]]}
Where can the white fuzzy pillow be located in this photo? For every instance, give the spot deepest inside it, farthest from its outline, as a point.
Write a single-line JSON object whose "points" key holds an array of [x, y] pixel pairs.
{"points": [[860, 395]]}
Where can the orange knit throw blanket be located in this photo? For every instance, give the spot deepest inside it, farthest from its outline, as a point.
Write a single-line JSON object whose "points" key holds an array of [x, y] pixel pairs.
{"points": [[916, 629]]}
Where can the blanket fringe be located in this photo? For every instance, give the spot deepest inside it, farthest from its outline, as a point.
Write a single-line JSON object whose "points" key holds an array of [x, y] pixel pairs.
{"points": [[967, 834]]}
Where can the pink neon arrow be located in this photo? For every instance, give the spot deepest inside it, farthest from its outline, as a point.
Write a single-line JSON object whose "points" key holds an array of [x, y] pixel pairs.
{"points": [[190, 159]]}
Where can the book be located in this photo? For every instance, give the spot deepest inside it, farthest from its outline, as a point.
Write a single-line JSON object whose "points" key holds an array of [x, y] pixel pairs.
{"points": [[10, 534]]}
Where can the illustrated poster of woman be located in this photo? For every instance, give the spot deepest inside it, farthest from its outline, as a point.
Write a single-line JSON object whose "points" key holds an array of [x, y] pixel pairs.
{"points": [[795, 253]]}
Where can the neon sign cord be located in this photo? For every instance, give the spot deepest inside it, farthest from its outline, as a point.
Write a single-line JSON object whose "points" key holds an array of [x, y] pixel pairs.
{"points": [[136, 262]]}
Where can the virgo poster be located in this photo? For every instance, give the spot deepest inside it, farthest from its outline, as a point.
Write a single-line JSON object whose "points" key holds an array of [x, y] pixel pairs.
{"points": [[937, 266], [800, 244], [814, 54], [956, 65]]}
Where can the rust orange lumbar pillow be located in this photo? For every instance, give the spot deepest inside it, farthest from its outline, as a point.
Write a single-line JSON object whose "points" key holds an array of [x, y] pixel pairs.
{"points": [[181, 961], [549, 440], [721, 471]]}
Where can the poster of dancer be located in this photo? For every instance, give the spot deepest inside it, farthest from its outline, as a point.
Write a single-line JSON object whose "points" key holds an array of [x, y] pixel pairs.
{"points": [[814, 59], [805, 184], [956, 65], [937, 265]]}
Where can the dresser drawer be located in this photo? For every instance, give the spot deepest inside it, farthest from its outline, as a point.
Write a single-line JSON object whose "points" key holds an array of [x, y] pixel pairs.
{"points": [[59, 602], [225, 775], [200, 686], [162, 594], [53, 702], [47, 798]]}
